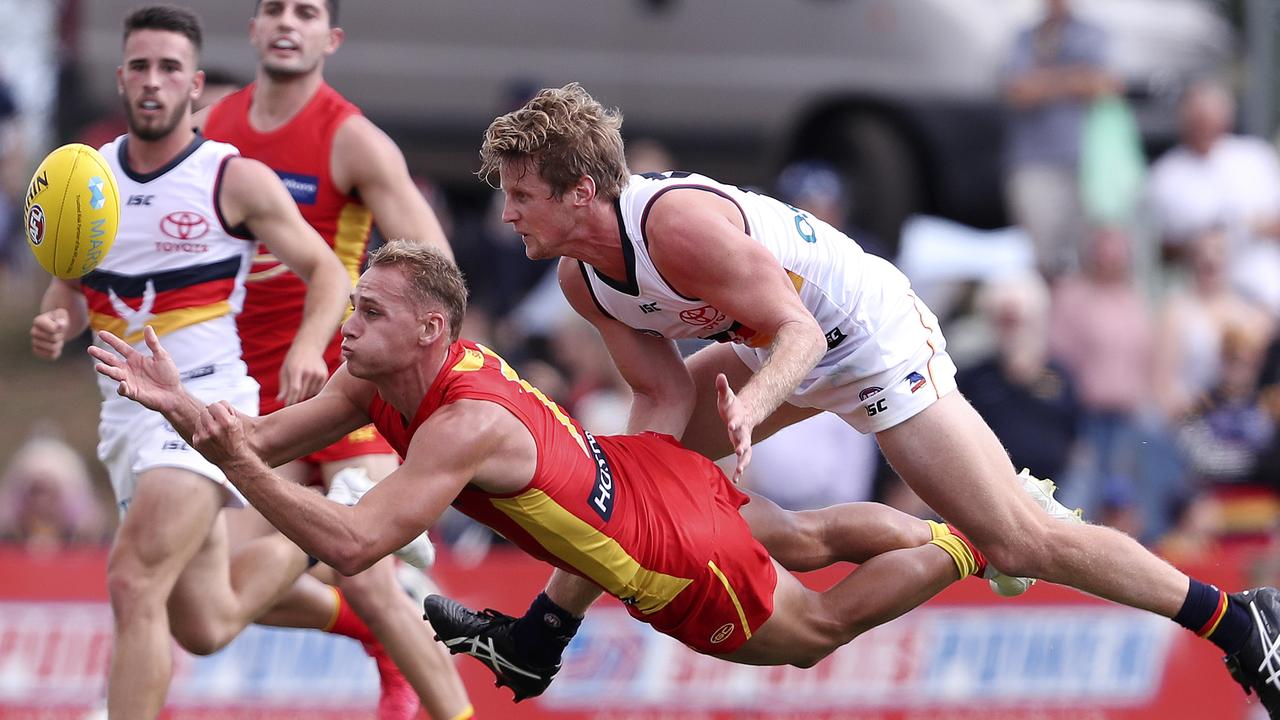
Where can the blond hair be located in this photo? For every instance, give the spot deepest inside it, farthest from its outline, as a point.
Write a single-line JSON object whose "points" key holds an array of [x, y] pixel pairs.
{"points": [[433, 278], [566, 134]]}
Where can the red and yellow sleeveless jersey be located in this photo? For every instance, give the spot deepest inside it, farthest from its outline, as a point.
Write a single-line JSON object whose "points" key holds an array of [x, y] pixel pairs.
{"points": [[641, 516], [300, 152]]}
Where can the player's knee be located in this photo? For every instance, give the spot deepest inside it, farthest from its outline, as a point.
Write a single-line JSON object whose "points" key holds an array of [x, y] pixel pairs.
{"points": [[372, 593], [1025, 551], [133, 588], [200, 637]]}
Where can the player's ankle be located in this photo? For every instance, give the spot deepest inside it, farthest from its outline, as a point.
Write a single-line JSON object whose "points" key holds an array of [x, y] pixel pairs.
{"points": [[544, 631]]}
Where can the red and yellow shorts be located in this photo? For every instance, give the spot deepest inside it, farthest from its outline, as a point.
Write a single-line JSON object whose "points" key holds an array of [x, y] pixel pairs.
{"points": [[731, 594], [358, 443]]}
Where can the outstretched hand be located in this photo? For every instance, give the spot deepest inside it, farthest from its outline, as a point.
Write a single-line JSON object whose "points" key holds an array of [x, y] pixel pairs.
{"points": [[738, 423], [150, 380]]}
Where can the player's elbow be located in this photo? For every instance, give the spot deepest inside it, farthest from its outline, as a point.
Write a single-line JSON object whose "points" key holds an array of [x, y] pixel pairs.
{"points": [[350, 561]]}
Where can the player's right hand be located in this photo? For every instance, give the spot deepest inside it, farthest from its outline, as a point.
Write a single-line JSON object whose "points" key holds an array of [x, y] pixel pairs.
{"points": [[302, 375], [49, 332], [150, 380]]}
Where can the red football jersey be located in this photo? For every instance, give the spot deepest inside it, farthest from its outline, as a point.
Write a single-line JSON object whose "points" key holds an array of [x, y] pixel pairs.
{"points": [[639, 515], [300, 152]]}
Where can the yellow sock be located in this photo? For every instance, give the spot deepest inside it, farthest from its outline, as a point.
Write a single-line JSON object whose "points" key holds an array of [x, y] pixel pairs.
{"points": [[467, 713], [937, 529], [966, 564]]}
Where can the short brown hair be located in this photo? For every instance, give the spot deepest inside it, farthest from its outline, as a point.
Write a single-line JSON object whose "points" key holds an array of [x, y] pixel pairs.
{"points": [[432, 278], [332, 6], [169, 18], [566, 134]]}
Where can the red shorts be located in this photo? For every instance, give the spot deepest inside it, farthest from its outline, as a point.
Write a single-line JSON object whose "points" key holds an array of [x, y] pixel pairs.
{"points": [[358, 443], [731, 593]]}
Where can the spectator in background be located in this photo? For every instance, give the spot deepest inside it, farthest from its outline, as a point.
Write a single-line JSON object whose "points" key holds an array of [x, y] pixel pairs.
{"points": [[1028, 399], [1100, 330], [13, 169], [1057, 67], [647, 155], [1216, 179], [1192, 325], [1227, 434], [817, 187], [47, 500]]}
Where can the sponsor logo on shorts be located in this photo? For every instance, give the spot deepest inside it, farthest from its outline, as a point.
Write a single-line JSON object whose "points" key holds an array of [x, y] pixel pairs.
{"points": [[722, 634], [604, 491], [303, 188], [876, 407], [835, 337], [35, 224], [916, 380]]}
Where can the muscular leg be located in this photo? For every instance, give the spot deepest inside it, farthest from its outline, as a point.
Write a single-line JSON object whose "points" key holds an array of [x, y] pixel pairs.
{"points": [[850, 532], [215, 598], [377, 598], [168, 521], [949, 456], [806, 626]]}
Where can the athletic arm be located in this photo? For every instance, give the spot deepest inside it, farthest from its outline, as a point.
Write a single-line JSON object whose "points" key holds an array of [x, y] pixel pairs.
{"points": [[662, 388], [369, 163], [697, 243], [444, 455], [63, 314], [253, 194]]}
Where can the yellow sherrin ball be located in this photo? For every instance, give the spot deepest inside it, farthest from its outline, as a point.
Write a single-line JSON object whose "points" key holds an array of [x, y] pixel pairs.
{"points": [[72, 211]]}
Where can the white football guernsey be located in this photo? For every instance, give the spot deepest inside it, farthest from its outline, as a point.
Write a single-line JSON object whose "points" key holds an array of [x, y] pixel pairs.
{"points": [[174, 265], [875, 326]]}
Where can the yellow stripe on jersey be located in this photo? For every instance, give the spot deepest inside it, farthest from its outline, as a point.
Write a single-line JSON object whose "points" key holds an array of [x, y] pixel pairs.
{"points": [[509, 373], [164, 323], [593, 553], [742, 615], [351, 237], [470, 362], [796, 281]]}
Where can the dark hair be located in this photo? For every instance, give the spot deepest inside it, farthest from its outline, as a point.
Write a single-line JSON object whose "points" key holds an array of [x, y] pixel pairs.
{"points": [[332, 5], [433, 278], [165, 17]]}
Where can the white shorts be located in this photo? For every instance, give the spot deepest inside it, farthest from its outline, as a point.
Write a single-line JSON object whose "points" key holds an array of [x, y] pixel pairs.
{"points": [[133, 439], [865, 389]]}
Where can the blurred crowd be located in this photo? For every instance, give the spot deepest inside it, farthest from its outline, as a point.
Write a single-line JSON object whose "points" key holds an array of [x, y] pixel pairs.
{"points": [[1128, 350]]}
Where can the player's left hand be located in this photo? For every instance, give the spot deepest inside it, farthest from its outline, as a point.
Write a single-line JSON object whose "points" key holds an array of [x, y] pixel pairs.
{"points": [[302, 375], [736, 419], [220, 436]]}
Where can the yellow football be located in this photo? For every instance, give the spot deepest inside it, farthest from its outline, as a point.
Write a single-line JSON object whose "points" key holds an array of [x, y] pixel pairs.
{"points": [[72, 211]]}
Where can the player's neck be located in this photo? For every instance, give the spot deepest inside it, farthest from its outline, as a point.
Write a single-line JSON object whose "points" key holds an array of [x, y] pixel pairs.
{"points": [[147, 156], [404, 390], [599, 241], [277, 100]]}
